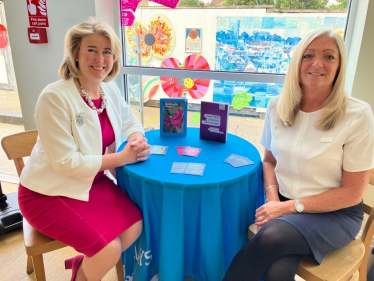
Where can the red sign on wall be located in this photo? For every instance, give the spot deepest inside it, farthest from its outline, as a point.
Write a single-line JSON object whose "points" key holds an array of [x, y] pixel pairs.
{"points": [[37, 10], [37, 35], [3, 37]]}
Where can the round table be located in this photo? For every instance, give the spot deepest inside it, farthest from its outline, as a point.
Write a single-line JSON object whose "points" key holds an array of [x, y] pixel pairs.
{"points": [[193, 225]]}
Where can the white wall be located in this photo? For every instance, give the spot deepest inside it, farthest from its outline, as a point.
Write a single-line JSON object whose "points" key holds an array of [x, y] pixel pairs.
{"points": [[355, 31], [36, 65], [360, 71], [363, 82], [109, 12]]}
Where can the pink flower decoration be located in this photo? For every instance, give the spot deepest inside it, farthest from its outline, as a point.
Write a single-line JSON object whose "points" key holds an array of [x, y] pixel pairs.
{"points": [[130, 4], [177, 87], [167, 3], [127, 5], [128, 18]]}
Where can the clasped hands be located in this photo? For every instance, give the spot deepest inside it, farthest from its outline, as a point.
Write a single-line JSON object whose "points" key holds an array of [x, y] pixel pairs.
{"points": [[137, 150]]}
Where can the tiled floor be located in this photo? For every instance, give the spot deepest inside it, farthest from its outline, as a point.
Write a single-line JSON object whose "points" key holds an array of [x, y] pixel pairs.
{"points": [[7, 167], [9, 105], [9, 101]]}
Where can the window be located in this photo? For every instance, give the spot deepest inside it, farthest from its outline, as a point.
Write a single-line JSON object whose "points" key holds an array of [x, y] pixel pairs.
{"points": [[218, 52]]}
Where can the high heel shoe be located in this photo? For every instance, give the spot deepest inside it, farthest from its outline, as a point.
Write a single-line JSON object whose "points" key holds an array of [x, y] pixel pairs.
{"points": [[74, 264]]}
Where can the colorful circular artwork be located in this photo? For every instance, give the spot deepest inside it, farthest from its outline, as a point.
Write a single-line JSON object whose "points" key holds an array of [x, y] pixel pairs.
{"points": [[200, 87], [150, 87], [188, 82], [156, 38], [135, 38], [163, 31], [175, 87], [171, 85]]}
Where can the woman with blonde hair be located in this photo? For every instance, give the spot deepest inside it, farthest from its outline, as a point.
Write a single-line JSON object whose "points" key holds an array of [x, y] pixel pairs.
{"points": [[63, 190], [319, 150]]}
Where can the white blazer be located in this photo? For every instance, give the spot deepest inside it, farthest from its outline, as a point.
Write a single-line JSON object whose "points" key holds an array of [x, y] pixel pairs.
{"points": [[67, 155]]}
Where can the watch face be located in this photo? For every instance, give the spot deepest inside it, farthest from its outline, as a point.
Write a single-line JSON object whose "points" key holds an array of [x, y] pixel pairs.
{"points": [[299, 207]]}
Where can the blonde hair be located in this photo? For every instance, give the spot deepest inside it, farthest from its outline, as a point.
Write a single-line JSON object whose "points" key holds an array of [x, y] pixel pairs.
{"points": [[73, 39], [333, 109]]}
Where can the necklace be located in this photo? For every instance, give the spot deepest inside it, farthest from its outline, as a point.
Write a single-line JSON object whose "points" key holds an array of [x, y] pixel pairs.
{"points": [[89, 100]]}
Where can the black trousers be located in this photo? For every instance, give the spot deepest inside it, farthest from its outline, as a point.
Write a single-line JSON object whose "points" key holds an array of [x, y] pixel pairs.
{"points": [[273, 254]]}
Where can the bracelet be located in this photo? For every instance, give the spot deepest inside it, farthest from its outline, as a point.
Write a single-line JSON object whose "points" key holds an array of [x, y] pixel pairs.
{"points": [[273, 185]]}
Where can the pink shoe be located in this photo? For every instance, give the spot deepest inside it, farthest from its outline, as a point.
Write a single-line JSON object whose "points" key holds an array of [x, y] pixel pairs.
{"points": [[74, 264]]}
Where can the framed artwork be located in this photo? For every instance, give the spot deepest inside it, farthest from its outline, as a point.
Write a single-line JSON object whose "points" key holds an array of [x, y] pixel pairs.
{"points": [[193, 40], [173, 117]]}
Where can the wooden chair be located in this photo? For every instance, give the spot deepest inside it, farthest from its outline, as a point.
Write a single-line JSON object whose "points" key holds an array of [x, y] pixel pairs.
{"points": [[17, 147], [349, 263]]}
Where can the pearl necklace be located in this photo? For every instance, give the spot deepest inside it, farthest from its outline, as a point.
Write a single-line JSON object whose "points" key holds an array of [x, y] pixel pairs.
{"points": [[89, 100]]}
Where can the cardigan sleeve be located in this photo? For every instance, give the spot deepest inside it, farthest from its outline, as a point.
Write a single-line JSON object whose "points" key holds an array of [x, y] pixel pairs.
{"points": [[54, 123]]}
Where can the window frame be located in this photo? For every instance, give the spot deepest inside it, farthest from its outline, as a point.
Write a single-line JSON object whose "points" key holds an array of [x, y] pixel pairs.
{"points": [[219, 75]]}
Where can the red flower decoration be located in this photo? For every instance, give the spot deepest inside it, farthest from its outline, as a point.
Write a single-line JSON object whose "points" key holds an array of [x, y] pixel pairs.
{"points": [[177, 87]]}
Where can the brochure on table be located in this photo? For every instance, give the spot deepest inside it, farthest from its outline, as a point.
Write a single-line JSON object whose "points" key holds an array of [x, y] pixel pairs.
{"points": [[173, 117], [214, 121]]}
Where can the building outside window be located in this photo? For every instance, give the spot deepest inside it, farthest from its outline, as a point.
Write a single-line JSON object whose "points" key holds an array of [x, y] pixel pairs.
{"points": [[234, 51]]}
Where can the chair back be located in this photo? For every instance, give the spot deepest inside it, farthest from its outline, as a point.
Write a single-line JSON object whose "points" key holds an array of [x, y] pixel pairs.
{"points": [[368, 232], [18, 146]]}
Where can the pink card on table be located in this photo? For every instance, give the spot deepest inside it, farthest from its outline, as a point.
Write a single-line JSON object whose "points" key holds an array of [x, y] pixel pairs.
{"points": [[181, 149], [191, 151]]}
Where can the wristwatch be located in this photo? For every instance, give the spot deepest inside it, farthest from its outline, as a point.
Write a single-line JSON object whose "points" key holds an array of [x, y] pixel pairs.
{"points": [[299, 207]]}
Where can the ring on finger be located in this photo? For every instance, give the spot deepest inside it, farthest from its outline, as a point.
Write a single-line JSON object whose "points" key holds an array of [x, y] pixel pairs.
{"points": [[260, 218]]}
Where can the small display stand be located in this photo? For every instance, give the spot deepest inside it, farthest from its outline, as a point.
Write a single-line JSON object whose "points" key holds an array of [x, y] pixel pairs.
{"points": [[173, 117], [214, 118], [10, 214]]}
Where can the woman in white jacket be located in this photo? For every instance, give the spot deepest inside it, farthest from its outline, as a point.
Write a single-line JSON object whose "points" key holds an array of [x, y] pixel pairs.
{"points": [[63, 190]]}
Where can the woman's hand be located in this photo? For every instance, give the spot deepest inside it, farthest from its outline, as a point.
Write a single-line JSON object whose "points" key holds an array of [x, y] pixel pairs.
{"points": [[142, 148], [273, 210], [136, 150], [128, 154]]}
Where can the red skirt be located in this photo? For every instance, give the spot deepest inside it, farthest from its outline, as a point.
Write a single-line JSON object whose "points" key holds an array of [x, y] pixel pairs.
{"points": [[86, 226]]}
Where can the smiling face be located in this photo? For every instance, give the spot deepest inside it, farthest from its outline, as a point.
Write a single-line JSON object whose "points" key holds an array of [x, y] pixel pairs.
{"points": [[319, 64], [95, 57]]}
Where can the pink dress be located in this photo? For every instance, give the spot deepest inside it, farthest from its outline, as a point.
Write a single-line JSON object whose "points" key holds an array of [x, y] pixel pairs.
{"points": [[86, 226]]}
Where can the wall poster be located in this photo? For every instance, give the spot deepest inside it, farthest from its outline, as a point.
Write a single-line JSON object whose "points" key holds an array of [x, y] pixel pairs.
{"points": [[193, 40]]}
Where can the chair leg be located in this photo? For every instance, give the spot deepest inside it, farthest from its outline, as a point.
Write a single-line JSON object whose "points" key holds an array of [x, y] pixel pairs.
{"points": [[355, 276], [29, 265], [119, 270], [39, 267], [363, 271]]}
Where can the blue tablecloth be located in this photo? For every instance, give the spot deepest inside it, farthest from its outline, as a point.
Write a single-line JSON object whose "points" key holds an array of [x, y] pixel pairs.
{"points": [[193, 226]]}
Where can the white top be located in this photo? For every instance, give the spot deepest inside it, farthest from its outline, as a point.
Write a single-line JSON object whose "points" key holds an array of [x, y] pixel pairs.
{"points": [[310, 161], [67, 154]]}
